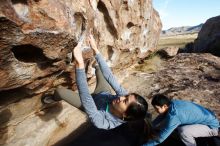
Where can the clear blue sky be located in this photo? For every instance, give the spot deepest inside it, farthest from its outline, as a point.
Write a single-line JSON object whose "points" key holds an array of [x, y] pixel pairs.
{"points": [[175, 13]]}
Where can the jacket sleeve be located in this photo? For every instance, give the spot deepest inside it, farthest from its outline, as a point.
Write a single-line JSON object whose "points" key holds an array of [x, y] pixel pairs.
{"points": [[158, 120], [97, 117], [171, 123], [108, 75]]}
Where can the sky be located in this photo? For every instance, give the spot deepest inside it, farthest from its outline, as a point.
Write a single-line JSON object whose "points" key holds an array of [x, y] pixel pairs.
{"points": [[176, 13]]}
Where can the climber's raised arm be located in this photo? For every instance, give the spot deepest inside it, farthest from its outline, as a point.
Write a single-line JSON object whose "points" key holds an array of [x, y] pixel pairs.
{"points": [[106, 71]]}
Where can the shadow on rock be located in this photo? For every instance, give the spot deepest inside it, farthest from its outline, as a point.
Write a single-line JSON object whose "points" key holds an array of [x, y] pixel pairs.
{"points": [[124, 135], [5, 116], [50, 111]]}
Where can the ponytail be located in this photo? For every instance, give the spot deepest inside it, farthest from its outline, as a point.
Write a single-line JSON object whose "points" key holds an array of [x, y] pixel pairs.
{"points": [[148, 132], [136, 110]]}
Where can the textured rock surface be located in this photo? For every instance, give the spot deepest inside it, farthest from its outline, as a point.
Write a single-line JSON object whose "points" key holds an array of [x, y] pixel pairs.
{"points": [[36, 37], [209, 37], [50, 29], [169, 51], [194, 77]]}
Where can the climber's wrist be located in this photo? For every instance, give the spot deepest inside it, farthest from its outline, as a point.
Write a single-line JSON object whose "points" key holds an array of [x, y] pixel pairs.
{"points": [[80, 65]]}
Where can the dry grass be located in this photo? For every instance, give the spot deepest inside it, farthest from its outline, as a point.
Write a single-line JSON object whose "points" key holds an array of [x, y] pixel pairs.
{"points": [[176, 40], [152, 64]]}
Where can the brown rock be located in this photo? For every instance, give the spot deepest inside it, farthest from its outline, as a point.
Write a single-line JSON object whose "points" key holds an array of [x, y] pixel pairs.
{"points": [[209, 37], [169, 51], [33, 27], [36, 37]]}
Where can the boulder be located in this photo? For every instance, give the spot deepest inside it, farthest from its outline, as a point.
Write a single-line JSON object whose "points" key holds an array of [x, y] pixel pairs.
{"points": [[36, 40], [36, 36], [209, 37], [168, 51]]}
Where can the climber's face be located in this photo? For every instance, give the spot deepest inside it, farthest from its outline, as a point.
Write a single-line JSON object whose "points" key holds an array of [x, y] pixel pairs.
{"points": [[161, 109], [121, 104]]}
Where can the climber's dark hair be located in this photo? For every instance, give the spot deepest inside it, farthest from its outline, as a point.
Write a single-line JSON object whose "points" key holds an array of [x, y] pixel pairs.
{"points": [[146, 131], [160, 100], [136, 110]]}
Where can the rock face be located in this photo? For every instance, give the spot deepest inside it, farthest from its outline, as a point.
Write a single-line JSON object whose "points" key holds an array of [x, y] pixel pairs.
{"points": [[51, 29], [36, 38], [209, 37], [168, 51], [187, 76]]}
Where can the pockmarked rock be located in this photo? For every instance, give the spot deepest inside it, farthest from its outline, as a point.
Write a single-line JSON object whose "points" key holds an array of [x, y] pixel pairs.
{"points": [[36, 40]]}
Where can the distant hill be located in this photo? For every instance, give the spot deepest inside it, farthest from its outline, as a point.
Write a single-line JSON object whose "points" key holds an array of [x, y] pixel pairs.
{"points": [[182, 30]]}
